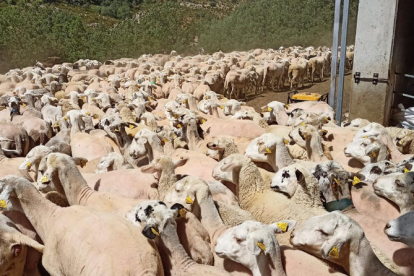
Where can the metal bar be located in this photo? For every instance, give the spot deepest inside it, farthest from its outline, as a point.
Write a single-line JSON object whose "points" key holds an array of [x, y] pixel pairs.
{"points": [[405, 75], [341, 78], [334, 62], [405, 95]]}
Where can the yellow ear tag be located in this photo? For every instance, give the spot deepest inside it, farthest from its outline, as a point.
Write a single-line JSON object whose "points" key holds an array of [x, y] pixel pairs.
{"points": [[406, 170], [188, 200], [287, 106], [29, 164], [373, 154], [269, 109], [261, 246], [3, 204], [337, 182], [155, 231], [402, 142], [184, 101], [174, 136], [165, 140], [324, 131], [182, 213], [65, 118], [202, 121], [44, 179], [88, 113], [268, 150], [326, 119], [365, 137], [24, 105], [207, 97], [178, 126], [95, 116], [334, 253], [285, 141], [283, 226], [116, 130], [355, 181], [222, 106], [149, 98], [56, 125], [131, 126], [302, 124]]}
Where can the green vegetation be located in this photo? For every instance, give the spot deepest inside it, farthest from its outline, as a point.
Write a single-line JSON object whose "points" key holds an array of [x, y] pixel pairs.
{"points": [[103, 29]]}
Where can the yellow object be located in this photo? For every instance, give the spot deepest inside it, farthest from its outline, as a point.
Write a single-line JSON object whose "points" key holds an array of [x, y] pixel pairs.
{"points": [[154, 231], [165, 140], [174, 136], [269, 109], [222, 106], [178, 126], [29, 164], [65, 118], [182, 213], [402, 142], [203, 121], [184, 101], [283, 226], [406, 170], [337, 182], [334, 253], [373, 154], [287, 106], [355, 181], [56, 125], [149, 98], [188, 200], [88, 113], [3, 204], [24, 105], [365, 137], [261, 246], [326, 119], [44, 179], [302, 124], [268, 150], [131, 126], [207, 97], [95, 116], [285, 141], [307, 96], [116, 130]]}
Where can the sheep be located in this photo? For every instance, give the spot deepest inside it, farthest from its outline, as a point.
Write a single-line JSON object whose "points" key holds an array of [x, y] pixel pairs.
{"points": [[367, 150], [340, 240], [223, 146], [157, 222], [111, 162], [52, 223], [396, 187], [232, 106], [401, 229], [246, 242], [15, 249]]}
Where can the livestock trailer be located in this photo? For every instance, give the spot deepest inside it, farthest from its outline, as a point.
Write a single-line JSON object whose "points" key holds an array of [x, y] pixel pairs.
{"points": [[383, 69]]}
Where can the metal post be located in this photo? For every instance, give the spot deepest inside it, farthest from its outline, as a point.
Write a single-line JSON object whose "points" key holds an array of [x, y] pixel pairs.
{"points": [[344, 37], [334, 62]]}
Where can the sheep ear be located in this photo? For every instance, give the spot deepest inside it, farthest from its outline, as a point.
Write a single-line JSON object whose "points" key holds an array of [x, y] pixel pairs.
{"points": [[283, 226], [150, 168], [256, 246], [229, 165], [79, 161], [299, 175], [181, 162], [242, 103], [20, 239]]}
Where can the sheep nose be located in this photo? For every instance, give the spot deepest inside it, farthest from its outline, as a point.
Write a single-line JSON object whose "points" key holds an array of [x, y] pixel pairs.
{"points": [[276, 188], [387, 226], [292, 235]]}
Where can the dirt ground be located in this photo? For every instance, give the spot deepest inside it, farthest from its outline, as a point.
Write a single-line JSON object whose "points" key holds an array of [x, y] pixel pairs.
{"points": [[317, 87]]}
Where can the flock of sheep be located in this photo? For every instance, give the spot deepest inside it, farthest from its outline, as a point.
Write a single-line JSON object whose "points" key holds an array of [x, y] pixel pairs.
{"points": [[145, 167]]}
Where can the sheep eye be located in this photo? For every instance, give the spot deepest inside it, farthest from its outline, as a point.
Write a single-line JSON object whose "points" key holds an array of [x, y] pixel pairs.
{"points": [[238, 240], [323, 232], [399, 183]]}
